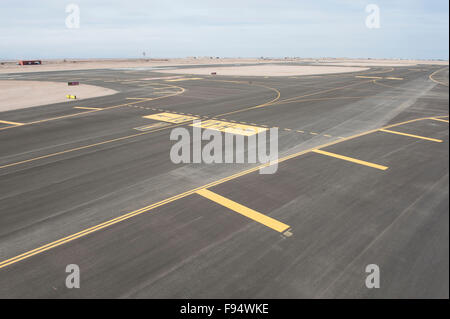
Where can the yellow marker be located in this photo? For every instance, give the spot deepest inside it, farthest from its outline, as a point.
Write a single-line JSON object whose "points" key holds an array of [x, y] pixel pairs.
{"points": [[228, 127], [170, 117], [245, 211], [411, 135], [351, 159], [183, 79], [392, 78], [72, 97]]}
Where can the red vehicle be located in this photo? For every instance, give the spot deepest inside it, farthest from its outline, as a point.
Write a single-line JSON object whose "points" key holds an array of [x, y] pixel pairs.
{"points": [[30, 62]]}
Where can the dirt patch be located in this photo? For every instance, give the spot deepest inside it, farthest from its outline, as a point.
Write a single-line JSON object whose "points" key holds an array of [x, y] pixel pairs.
{"points": [[379, 62], [22, 94], [266, 70]]}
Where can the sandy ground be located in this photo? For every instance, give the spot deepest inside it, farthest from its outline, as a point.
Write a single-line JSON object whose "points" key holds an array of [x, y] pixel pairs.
{"points": [[266, 70], [87, 64], [378, 62], [59, 65], [368, 64], [22, 94]]}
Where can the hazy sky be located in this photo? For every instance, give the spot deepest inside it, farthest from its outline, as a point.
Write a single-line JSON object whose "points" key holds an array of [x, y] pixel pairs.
{"points": [[226, 28]]}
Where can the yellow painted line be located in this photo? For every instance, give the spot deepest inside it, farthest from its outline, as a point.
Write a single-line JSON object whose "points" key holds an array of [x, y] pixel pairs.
{"points": [[170, 117], [60, 117], [278, 95], [90, 111], [87, 108], [152, 126], [12, 123], [83, 147], [393, 78], [245, 211], [440, 120], [436, 81], [351, 159], [183, 79], [368, 77], [116, 220], [411, 135], [321, 92], [319, 99], [229, 127]]}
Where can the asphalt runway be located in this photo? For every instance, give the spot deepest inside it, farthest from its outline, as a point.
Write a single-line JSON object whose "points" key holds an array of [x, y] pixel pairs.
{"points": [[362, 178]]}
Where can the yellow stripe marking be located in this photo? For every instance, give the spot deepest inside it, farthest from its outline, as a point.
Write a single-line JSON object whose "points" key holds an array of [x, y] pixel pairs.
{"points": [[87, 108], [245, 211], [436, 81], [152, 126], [183, 79], [393, 78], [170, 117], [411, 135], [351, 159], [228, 127], [440, 120], [11, 123], [368, 77]]}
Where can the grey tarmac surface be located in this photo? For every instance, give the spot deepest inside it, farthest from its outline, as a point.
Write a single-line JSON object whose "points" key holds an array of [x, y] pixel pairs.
{"points": [[72, 173]]}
